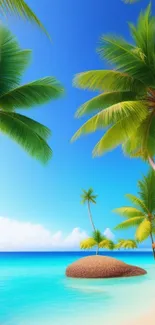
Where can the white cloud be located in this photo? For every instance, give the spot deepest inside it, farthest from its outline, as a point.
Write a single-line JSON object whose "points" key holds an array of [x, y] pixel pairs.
{"points": [[25, 236], [74, 238], [109, 234]]}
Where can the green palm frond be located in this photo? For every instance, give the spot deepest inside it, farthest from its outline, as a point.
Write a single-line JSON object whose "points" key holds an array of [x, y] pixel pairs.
{"points": [[88, 243], [88, 196], [127, 114], [145, 30], [126, 244], [13, 60], [34, 93], [134, 74], [105, 100], [97, 236], [116, 135], [142, 142], [27, 133], [147, 190], [129, 212], [107, 243], [108, 80], [143, 231], [138, 202], [132, 222], [20, 8], [144, 205], [126, 57]]}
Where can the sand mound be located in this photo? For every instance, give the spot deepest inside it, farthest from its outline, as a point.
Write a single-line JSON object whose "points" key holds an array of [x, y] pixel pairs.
{"points": [[102, 267]]}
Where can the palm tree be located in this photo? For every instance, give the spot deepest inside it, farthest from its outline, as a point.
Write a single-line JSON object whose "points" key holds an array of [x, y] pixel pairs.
{"points": [[142, 214], [97, 240], [20, 8], [126, 244], [126, 105], [89, 197], [31, 135]]}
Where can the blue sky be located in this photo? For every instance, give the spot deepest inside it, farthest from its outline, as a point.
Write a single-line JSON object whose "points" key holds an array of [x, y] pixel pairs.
{"points": [[50, 195]]}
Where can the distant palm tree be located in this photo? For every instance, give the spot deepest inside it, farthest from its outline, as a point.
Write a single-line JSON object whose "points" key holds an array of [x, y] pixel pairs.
{"points": [[31, 135], [20, 8], [142, 214], [126, 244], [97, 240], [126, 106], [89, 197]]}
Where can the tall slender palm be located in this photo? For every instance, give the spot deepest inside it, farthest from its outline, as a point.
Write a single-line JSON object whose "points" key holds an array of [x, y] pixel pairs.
{"points": [[20, 8], [97, 240], [31, 135], [89, 197], [142, 214], [126, 106]]}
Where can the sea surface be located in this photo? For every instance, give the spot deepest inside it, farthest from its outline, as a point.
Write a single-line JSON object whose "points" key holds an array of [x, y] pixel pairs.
{"points": [[35, 291]]}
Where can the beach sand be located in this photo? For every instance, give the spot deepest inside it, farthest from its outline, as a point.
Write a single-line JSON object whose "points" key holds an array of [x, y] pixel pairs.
{"points": [[148, 319]]}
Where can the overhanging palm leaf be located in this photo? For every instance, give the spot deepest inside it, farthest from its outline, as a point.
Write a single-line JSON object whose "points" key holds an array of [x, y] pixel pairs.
{"points": [[129, 212], [132, 222], [20, 8], [121, 113], [31, 94], [13, 60], [28, 133], [31, 135], [107, 80], [138, 202], [127, 58], [135, 74], [104, 100]]}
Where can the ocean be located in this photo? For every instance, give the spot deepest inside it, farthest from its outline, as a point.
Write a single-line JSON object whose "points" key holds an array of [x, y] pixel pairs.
{"points": [[35, 291]]}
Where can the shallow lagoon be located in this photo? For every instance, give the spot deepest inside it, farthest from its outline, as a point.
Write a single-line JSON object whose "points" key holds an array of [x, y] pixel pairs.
{"points": [[35, 291]]}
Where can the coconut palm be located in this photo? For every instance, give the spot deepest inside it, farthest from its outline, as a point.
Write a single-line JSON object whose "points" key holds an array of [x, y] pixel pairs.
{"points": [[142, 214], [126, 244], [126, 106], [89, 197], [97, 240], [20, 8], [31, 135]]}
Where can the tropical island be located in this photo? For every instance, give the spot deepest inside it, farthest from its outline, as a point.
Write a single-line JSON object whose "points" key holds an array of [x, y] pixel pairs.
{"points": [[44, 231]]}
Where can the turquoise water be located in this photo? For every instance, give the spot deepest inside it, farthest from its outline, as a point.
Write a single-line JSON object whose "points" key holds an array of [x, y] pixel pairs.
{"points": [[35, 291]]}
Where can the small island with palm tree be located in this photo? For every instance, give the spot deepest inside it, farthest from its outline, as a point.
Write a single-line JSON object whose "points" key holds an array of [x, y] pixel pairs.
{"points": [[125, 109], [41, 266]]}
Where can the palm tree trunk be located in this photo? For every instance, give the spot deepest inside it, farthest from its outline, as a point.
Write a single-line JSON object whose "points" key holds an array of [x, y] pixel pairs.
{"points": [[90, 216], [97, 250], [152, 244], [151, 162]]}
